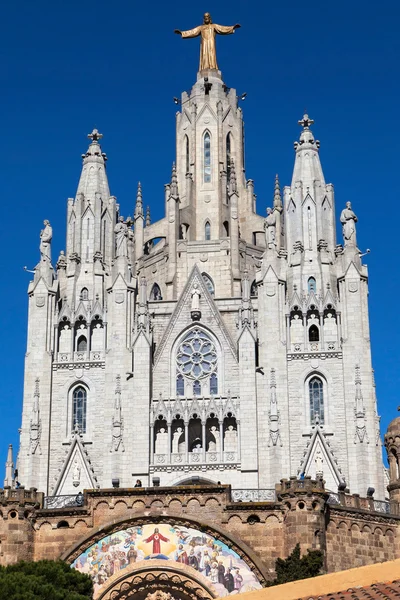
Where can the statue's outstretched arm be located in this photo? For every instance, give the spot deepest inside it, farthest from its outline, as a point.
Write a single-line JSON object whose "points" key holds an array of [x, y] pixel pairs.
{"points": [[190, 33], [226, 29]]}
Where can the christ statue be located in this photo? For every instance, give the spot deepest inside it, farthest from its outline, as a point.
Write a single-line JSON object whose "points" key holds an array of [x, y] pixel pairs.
{"points": [[156, 538], [208, 31]]}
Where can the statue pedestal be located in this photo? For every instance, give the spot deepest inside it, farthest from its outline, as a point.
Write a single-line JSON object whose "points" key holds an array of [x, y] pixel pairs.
{"points": [[196, 315], [215, 73]]}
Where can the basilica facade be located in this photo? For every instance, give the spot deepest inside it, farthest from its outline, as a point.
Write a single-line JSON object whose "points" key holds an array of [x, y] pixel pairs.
{"points": [[214, 345]]}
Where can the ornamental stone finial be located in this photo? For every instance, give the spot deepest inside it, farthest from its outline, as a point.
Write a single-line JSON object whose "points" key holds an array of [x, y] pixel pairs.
{"points": [[95, 136], [305, 122]]}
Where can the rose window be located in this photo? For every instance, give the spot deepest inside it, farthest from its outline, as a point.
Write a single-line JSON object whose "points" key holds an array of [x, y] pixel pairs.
{"points": [[196, 357]]}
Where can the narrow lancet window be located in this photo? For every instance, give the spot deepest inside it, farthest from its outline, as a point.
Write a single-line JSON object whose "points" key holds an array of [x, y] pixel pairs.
{"points": [[316, 391], [312, 285], [82, 344], [313, 334], [214, 384], [207, 231], [187, 154], [180, 386], [207, 158], [79, 398]]}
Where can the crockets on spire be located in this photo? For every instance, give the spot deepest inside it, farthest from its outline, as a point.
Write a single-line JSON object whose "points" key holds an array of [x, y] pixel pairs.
{"points": [[139, 202], [277, 194], [148, 218], [307, 167], [174, 183], [232, 179], [93, 177]]}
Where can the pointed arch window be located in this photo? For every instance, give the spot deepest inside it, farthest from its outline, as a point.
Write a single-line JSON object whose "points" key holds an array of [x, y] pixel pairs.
{"points": [[207, 157], [207, 231], [209, 283], [84, 294], [214, 384], [316, 394], [253, 289], [155, 293], [180, 386], [313, 334], [196, 388], [187, 154], [228, 163], [312, 285], [81, 345], [79, 406]]}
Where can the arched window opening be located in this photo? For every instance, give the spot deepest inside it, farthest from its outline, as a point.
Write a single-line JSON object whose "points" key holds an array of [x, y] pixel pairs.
{"points": [[155, 293], [196, 388], [316, 392], [312, 285], [253, 289], [226, 228], [187, 154], [214, 384], [207, 158], [207, 231], [180, 386], [209, 283], [84, 294], [195, 435], [82, 344], [161, 436], [313, 334], [228, 164], [178, 435], [393, 466], [79, 399], [228, 154]]}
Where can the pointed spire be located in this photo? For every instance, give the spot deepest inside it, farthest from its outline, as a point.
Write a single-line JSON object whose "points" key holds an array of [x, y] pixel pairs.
{"points": [[148, 219], [174, 183], [94, 180], [277, 194], [139, 202], [307, 168], [9, 478], [232, 179]]}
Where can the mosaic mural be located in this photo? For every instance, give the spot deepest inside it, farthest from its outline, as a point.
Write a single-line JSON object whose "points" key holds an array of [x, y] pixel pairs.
{"points": [[221, 565]]}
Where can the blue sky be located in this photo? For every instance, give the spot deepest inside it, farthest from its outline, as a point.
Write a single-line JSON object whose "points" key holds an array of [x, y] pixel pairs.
{"points": [[68, 67]]}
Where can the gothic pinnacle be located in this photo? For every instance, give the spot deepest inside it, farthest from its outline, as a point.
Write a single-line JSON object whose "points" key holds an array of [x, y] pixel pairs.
{"points": [[139, 202], [232, 179], [277, 193], [174, 182]]}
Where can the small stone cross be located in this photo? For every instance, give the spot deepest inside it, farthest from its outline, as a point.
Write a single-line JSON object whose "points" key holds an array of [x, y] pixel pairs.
{"points": [[95, 136], [306, 122]]}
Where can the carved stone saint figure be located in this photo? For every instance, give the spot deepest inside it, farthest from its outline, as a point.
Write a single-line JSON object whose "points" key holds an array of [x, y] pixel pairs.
{"points": [[121, 238], [195, 298], [208, 31], [76, 474], [348, 219], [270, 229], [45, 241]]}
